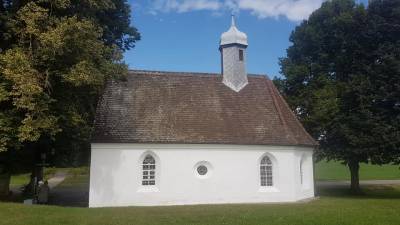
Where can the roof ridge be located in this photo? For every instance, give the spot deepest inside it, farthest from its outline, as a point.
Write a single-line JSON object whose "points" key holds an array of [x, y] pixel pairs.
{"points": [[182, 73]]}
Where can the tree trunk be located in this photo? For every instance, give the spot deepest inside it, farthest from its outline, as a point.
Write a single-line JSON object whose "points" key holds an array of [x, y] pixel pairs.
{"points": [[354, 167], [5, 175], [36, 171], [4, 184]]}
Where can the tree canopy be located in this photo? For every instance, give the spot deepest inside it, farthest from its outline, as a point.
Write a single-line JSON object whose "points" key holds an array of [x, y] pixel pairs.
{"points": [[342, 78], [55, 56]]}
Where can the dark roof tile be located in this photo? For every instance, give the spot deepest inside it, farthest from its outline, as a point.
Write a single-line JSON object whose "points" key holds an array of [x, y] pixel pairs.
{"points": [[195, 108]]}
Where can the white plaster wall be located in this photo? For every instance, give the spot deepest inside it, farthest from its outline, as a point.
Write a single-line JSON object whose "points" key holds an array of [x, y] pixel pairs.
{"points": [[306, 186], [233, 176]]}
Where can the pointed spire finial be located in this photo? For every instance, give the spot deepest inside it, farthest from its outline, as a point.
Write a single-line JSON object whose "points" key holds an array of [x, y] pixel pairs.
{"points": [[233, 35]]}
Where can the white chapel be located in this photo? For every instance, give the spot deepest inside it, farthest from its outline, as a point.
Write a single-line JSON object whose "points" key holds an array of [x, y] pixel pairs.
{"points": [[174, 138]]}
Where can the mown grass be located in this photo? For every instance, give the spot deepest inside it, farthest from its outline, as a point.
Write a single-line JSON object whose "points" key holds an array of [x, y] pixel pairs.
{"points": [[336, 171], [80, 180], [380, 206], [19, 179]]}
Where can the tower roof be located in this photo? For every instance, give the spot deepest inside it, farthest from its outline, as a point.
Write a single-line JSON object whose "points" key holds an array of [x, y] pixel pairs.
{"points": [[233, 35]]}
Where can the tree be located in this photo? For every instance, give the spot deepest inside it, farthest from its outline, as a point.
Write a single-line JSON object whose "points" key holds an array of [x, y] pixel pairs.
{"points": [[341, 77], [54, 60]]}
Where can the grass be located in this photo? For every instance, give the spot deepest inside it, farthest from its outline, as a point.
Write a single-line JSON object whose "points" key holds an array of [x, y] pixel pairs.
{"points": [[77, 177], [19, 179], [337, 171], [81, 180], [380, 206]]}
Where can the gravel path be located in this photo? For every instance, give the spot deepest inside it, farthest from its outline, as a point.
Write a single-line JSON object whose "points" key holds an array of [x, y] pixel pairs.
{"points": [[53, 182], [57, 179]]}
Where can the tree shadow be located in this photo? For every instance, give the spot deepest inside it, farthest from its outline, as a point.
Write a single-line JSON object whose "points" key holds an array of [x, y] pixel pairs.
{"points": [[13, 197], [73, 192], [375, 191]]}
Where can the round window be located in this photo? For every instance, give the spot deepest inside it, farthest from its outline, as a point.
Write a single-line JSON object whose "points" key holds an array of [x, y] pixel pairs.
{"points": [[202, 170]]}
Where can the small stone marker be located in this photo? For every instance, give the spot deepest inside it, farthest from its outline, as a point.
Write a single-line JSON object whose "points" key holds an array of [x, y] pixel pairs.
{"points": [[28, 201]]}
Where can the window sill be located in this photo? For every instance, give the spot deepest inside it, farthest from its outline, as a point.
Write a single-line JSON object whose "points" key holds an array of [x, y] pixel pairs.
{"points": [[145, 189], [268, 189]]}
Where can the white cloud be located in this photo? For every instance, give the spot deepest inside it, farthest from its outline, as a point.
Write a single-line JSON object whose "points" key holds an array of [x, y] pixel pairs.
{"points": [[294, 10], [185, 5]]}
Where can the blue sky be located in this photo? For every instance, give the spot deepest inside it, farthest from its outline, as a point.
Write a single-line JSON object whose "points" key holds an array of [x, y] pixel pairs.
{"points": [[183, 35]]}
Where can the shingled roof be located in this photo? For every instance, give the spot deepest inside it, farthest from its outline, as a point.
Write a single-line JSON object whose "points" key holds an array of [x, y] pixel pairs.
{"points": [[195, 108]]}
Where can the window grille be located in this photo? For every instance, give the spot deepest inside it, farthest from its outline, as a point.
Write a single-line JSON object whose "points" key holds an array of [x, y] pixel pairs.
{"points": [[202, 170], [149, 170], [266, 172]]}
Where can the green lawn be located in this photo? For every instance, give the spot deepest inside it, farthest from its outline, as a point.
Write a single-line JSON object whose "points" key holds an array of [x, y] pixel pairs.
{"points": [[336, 171], [81, 180], [380, 206], [19, 179]]}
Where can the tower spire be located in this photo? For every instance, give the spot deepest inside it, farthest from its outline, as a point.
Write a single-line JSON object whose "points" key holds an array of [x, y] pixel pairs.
{"points": [[233, 46], [233, 20]]}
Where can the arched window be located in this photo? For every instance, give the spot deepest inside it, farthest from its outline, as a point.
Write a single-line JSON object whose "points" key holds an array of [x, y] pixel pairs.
{"points": [[266, 172], [149, 170]]}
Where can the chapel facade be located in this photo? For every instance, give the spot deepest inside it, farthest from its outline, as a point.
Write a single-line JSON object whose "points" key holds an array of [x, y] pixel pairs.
{"points": [[173, 138]]}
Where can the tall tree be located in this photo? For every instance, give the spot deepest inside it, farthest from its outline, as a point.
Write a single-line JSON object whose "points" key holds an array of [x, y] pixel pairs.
{"points": [[343, 83], [57, 56]]}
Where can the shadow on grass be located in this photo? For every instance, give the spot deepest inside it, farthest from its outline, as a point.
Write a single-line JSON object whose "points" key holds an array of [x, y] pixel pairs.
{"points": [[11, 199], [368, 192], [72, 192]]}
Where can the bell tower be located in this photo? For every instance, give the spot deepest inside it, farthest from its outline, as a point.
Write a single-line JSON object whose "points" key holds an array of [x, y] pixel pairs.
{"points": [[233, 46]]}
